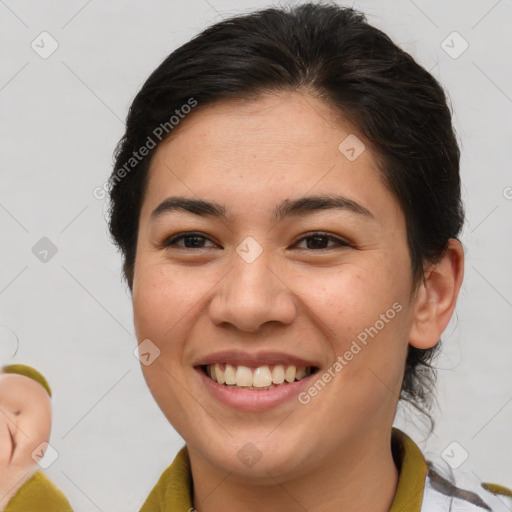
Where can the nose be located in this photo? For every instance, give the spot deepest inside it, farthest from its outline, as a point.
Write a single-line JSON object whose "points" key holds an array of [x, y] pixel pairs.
{"points": [[253, 294]]}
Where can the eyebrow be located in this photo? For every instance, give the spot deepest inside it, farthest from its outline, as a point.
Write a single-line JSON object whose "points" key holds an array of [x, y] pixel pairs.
{"points": [[289, 207]]}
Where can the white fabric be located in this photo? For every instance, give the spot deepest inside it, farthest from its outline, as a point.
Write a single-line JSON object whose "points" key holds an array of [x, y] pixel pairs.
{"points": [[435, 501]]}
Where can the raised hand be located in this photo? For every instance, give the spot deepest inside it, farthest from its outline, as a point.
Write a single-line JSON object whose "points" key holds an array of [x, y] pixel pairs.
{"points": [[25, 423]]}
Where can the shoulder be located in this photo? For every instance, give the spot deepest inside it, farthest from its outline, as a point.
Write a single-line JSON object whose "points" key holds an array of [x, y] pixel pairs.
{"points": [[173, 491], [441, 495], [421, 488], [38, 493]]}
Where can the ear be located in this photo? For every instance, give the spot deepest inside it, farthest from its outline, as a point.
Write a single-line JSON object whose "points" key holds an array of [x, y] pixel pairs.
{"points": [[436, 297]]}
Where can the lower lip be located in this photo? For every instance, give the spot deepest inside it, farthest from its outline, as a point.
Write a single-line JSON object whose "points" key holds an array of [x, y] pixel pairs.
{"points": [[254, 400]]}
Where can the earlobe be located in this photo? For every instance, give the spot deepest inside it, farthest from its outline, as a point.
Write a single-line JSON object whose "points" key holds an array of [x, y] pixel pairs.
{"points": [[437, 296]]}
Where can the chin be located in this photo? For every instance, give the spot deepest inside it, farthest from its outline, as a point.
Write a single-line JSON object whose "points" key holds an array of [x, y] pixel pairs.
{"points": [[254, 458]]}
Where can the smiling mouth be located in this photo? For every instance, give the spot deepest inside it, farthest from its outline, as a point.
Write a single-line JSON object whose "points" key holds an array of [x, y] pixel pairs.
{"points": [[261, 378]]}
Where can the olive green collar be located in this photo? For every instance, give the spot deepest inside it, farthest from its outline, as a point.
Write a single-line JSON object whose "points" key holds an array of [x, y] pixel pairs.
{"points": [[173, 490], [413, 472]]}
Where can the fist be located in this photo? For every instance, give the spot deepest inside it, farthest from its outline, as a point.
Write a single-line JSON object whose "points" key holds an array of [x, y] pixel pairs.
{"points": [[25, 423]]}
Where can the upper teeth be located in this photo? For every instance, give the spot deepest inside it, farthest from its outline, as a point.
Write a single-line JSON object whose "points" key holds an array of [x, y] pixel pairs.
{"points": [[260, 377]]}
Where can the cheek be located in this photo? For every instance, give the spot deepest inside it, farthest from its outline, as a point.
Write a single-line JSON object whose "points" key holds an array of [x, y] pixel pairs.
{"points": [[161, 297], [364, 314], [168, 304], [350, 299]]}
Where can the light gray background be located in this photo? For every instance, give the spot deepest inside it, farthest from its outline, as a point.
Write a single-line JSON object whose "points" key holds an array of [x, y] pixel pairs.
{"points": [[61, 118]]}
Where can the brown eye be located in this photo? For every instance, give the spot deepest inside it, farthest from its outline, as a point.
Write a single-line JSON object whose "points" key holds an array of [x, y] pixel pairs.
{"points": [[191, 240], [318, 241]]}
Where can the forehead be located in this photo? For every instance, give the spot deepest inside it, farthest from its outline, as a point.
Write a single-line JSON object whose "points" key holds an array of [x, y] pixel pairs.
{"points": [[253, 154]]}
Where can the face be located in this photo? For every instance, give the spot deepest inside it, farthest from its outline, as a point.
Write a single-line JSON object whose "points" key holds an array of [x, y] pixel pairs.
{"points": [[322, 286]]}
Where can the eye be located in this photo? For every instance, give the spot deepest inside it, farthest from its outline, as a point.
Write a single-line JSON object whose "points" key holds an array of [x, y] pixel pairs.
{"points": [[192, 240], [318, 240], [196, 240]]}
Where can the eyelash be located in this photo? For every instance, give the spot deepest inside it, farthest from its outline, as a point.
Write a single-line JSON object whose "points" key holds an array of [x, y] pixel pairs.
{"points": [[172, 240]]}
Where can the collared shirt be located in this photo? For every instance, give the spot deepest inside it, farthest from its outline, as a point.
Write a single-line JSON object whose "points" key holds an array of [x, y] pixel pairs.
{"points": [[420, 488]]}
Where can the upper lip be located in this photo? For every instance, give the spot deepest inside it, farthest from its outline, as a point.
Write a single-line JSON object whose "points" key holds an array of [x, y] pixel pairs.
{"points": [[255, 359]]}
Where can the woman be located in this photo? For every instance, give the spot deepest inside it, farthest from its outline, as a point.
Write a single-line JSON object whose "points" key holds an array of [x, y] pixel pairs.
{"points": [[287, 201], [286, 198]]}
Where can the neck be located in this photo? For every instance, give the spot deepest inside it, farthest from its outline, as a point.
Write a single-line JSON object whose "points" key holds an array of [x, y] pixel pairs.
{"points": [[362, 477]]}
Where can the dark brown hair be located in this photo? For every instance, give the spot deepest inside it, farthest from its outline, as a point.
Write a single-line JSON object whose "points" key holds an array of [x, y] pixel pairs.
{"points": [[332, 52]]}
